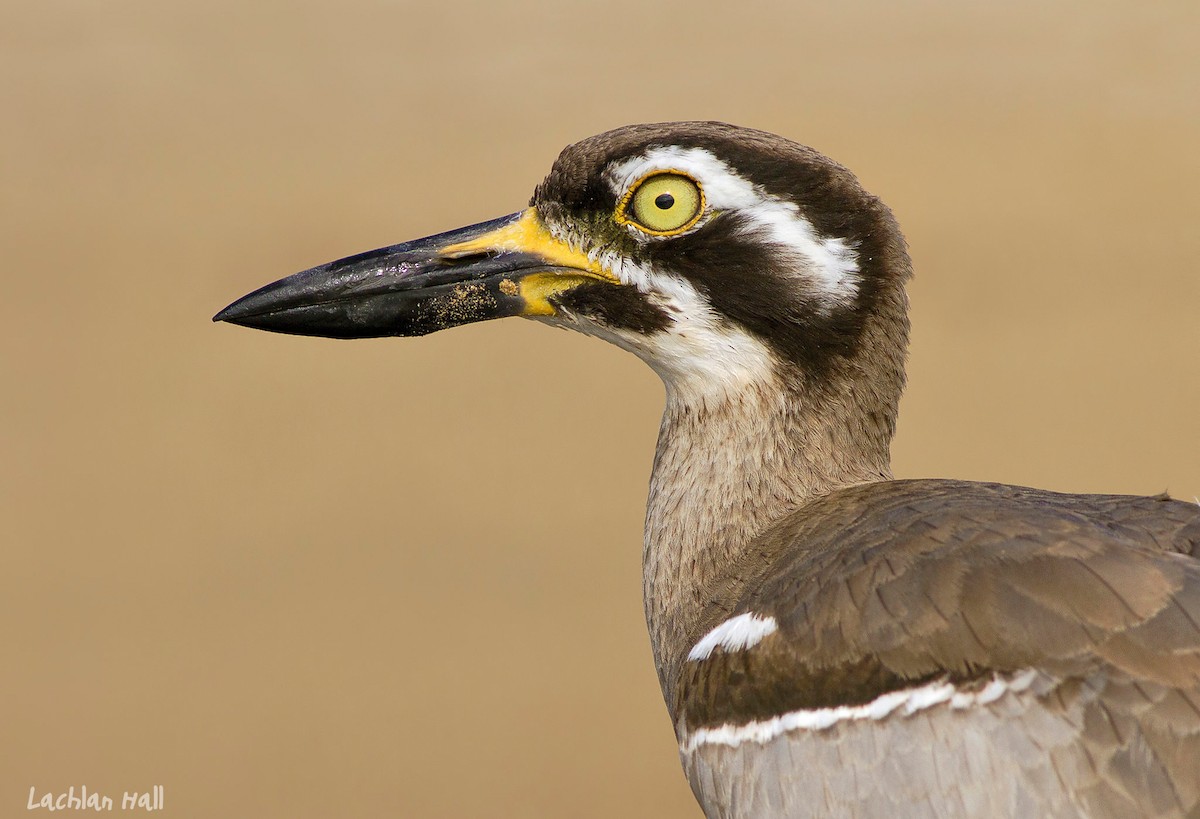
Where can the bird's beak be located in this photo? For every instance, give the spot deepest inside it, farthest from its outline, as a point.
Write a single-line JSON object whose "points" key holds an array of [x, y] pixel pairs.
{"points": [[510, 266]]}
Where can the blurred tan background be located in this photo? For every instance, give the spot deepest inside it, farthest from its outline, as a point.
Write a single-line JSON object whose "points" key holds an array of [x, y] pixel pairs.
{"points": [[290, 577]]}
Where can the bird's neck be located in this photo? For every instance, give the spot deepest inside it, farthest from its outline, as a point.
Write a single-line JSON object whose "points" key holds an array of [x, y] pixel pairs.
{"points": [[727, 466]]}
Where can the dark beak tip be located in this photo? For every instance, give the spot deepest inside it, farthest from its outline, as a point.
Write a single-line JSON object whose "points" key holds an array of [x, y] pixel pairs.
{"points": [[230, 313], [261, 301]]}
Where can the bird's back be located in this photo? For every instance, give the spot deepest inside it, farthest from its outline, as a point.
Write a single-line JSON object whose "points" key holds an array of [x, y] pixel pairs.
{"points": [[944, 648]]}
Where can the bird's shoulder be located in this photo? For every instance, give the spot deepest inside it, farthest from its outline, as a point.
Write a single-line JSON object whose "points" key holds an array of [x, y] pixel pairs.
{"points": [[885, 587]]}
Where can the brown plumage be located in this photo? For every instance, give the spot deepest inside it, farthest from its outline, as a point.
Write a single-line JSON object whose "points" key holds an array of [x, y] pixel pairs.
{"points": [[888, 586], [829, 642]]}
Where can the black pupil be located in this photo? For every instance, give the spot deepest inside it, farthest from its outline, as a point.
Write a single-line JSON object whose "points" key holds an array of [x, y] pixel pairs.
{"points": [[664, 201]]}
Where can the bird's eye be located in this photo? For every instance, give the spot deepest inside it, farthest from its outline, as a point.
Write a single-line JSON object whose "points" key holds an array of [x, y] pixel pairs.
{"points": [[663, 204]]}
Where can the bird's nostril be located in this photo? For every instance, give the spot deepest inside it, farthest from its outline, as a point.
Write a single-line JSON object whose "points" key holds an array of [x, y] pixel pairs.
{"points": [[466, 256]]}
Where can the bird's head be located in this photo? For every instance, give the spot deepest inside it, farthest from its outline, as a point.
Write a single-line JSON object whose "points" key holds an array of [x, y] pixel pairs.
{"points": [[720, 255]]}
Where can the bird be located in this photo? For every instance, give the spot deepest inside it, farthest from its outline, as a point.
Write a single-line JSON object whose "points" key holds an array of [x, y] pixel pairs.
{"points": [[829, 640]]}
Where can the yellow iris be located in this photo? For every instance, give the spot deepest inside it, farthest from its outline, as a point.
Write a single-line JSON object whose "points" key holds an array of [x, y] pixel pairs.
{"points": [[663, 204]]}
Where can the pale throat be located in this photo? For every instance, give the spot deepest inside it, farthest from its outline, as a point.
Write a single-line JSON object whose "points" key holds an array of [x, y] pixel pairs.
{"points": [[729, 463]]}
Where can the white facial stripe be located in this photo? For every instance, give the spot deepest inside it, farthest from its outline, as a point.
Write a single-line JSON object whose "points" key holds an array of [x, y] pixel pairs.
{"points": [[831, 263], [699, 354], [723, 188], [735, 634], [904, 703]]}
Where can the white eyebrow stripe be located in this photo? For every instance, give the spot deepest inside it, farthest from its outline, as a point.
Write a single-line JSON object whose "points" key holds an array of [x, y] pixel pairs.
{"points": [[735, 634], [901, 703], [724, 188], [832, 261]]}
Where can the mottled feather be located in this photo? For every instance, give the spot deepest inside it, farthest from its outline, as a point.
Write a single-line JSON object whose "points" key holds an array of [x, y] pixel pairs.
{"points": [[886, 586]]}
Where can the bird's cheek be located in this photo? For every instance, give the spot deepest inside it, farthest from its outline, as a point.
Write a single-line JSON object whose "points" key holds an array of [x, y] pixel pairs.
{"points": [[619, 307]]}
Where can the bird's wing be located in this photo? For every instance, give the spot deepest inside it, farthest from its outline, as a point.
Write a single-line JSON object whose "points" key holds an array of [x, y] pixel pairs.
{"points": [[886, 606]]}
